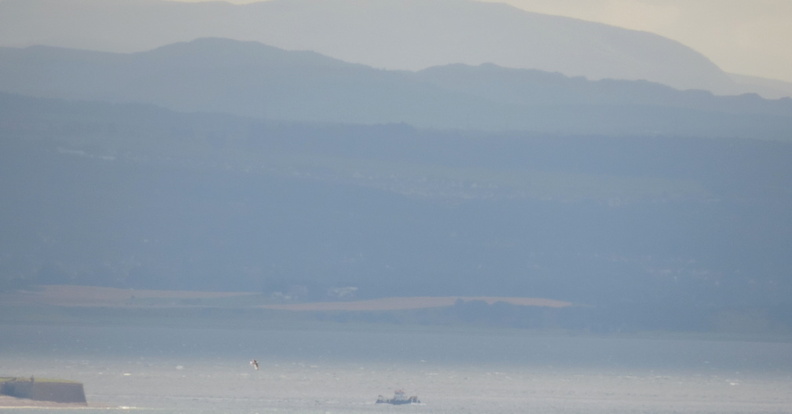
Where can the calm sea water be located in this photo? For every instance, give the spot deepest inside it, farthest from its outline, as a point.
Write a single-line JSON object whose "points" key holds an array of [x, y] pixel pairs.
{"points": [[178, 369]]}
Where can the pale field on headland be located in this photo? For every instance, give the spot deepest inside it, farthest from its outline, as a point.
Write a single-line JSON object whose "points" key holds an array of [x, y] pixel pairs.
{"points": [[92, 296]]}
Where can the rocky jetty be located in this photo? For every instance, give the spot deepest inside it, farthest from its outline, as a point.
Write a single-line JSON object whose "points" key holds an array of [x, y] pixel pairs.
{"points": [[44, 389]]}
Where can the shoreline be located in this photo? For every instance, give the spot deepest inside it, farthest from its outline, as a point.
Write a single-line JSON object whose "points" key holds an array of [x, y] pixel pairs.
{"points": [[9, 402], [76, 306]]}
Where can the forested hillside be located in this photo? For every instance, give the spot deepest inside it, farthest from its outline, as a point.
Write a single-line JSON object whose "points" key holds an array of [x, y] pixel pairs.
{"points": [[675, 228]]}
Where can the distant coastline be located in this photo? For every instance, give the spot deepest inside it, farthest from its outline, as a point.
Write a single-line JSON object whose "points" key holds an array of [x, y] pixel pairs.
{"points": [[87, 296]]}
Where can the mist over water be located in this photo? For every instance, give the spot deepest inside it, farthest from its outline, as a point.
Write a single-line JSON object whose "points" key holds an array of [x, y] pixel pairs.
{"points": [[344, 368]]}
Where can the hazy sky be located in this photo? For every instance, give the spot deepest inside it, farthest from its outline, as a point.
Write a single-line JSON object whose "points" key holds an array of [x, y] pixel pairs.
{"points": [[749, 37]]}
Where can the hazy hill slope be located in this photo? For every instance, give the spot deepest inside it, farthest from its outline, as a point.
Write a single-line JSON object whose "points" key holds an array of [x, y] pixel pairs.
{"points": [[533, 87], [768, 88], [393, 34], [135, 196], [244, 78], [251, 79]]}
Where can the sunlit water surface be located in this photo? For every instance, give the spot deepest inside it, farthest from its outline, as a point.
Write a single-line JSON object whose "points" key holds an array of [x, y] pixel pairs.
{"points": [[177, 369]]}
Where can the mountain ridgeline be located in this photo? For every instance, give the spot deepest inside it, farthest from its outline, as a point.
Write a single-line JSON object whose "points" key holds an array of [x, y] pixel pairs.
{"points": [[650, 232], [390, 34], [255, 80]]}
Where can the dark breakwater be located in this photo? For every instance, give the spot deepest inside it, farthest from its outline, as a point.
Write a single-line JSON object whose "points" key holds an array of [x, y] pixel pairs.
{"points": [[43, 390]]}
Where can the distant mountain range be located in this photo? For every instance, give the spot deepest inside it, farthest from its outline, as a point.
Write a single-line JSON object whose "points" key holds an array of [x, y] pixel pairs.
{"points": [[390, 34], [411, 148], [252, 79]]}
